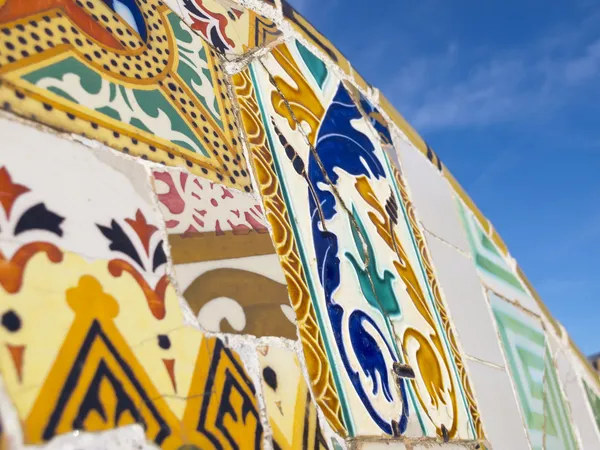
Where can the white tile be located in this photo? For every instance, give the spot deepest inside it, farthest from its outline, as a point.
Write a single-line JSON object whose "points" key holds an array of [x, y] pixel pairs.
{"points": [[498, 408], [463, 293], [581, 414], [378, 445], [87, 188], [448, 446], [123, 438], [174, 6], [496, 271], [432, 196]]}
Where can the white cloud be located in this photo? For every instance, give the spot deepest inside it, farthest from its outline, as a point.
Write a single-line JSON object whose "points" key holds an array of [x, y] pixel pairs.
{"points": [[586, 66], [454, 89]]}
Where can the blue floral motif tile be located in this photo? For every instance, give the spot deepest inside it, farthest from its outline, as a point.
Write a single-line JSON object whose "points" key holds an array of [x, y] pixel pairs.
{"points": [[352, 222]]}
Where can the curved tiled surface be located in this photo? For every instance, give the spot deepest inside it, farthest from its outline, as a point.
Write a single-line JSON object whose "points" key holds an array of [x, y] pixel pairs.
{"points": [[214, 233]]}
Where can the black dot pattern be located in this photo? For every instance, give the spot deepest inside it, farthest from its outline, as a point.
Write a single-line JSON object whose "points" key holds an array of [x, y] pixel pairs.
{"points": [[11, 321], [164, 342], [130, 61], [270, 377]]}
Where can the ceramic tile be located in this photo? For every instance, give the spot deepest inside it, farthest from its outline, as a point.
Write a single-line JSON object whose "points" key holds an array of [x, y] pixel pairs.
{"points": [[94, 355], [308, 95], [543, 308], [290, 409], [310, 33], [317, 365], [142, 82], [534, 376], [228, 26], [576, 391], [98, 382], [225, 262], [468, 307], [411, 135], [95, 264], [378, 445], [433, 198], [483, 221], [359, 282], [594, 402], [221, 410], [115, 230], [360, 81], [123, 438], [420, 315], [498, 407], [173, 6], [492, 266], [402, 124], [4, 437], [430, 446]]}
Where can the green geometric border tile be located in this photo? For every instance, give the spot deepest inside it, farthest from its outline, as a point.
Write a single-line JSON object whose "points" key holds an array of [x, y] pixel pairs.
{"points": [[534, 377]]}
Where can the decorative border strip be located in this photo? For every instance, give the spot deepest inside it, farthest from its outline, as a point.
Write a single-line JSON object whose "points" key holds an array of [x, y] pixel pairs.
{"points": [[319, 370]]}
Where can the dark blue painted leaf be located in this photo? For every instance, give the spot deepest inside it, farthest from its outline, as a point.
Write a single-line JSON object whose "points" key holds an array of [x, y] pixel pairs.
{"points": [[119, 241], [38, 217]]}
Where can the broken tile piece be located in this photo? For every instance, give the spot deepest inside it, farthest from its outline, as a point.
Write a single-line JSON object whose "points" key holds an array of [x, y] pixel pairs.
{"points": [[142, 81], [594, 400], [534, 376], [222, 409], [461, 289], [497, 403], [358, 249], [228, 26], [378, 445], [579, 392], [492, 266], [433, 198], [225, 262], [310, 33], [291, 411]]}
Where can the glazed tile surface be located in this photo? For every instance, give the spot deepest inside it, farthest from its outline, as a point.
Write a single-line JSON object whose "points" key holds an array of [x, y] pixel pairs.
{"points": [[142, 82], [374, 445], [575, 390], [310, 33], [433, 198], [357, 258], [594, 400], [466, 301], [194, 191], [105, 299], [317, 365], [228, 26], [292, 414], [491, 263], [534, 376], [502, 420], [224, 258]]}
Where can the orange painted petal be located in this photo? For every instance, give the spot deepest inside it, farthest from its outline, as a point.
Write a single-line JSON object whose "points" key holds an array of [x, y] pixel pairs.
{"points": [[142, 229], [170, 366], [16, 353], [9, 191], [11, 271], [155, 299]]}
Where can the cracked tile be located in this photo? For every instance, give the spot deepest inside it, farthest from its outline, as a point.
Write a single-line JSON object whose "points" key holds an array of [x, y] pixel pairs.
{"points": [[225, 262], [143, 82], [291, 411], [534, 376], [228, 26], [349, 218]]}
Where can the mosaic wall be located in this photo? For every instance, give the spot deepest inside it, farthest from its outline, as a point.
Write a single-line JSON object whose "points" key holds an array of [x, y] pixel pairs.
{"points": [[215, 234]]}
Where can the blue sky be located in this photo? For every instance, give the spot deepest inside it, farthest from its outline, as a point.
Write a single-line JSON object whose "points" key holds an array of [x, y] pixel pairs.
{"points": [[508, 94]]}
